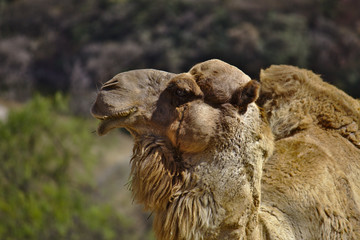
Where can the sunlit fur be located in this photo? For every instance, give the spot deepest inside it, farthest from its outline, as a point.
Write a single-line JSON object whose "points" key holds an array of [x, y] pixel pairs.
{"points": [[296, 98], [311, 185]]}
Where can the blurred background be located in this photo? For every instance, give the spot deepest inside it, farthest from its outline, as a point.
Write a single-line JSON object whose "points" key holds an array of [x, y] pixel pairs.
{"points": [[58, 179]]}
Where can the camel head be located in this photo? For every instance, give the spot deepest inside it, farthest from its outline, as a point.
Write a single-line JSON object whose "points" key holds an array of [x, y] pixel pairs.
{"points": [[183, 108], [224, 83], [128, 99], [200, 141]]}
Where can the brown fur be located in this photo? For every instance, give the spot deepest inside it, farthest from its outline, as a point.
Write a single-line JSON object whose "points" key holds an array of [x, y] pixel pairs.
{"points": [[296, 98], [153, 164], [313, 176], [218, 80], [203, 157]]}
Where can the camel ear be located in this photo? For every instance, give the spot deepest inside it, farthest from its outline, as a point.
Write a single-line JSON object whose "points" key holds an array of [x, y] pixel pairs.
{"points": [[243, 96]]}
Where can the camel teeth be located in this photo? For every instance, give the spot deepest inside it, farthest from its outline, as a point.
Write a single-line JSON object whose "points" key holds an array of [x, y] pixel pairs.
{"points": [[127, 112], [120, 114], [123, 114]]}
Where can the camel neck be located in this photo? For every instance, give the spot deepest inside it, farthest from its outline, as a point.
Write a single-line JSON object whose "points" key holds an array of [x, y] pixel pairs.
{"points": [[217, 196], [223, 199]]}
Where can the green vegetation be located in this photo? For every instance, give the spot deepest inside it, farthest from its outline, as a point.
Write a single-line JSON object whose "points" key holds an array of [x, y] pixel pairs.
{"points": [[46, 177]]}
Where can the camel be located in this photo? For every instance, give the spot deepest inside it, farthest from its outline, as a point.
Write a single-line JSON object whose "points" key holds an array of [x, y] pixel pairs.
{"points": [[218, 157]]}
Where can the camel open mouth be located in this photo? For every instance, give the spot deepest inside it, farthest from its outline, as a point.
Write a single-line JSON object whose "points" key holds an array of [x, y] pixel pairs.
{"points": [[109, 122]]}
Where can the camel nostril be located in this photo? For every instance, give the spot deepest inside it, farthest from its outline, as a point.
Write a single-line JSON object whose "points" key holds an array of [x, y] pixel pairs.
{"points": [[109, 86]]}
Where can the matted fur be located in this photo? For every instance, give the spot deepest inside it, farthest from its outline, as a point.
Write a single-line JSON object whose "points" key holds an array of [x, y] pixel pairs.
{"points": [[313, 176], [156, 174], [190, 216], [163, 185], [296, 98]]}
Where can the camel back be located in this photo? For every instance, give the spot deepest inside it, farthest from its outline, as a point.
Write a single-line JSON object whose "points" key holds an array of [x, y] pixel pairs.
{"points": [[295, 98]]}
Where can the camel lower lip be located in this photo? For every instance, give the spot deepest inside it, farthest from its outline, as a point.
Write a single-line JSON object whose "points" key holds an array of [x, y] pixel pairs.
{"points": [[113, 121]]}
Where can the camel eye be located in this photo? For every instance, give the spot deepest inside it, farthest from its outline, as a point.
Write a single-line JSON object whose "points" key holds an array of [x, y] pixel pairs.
{"points": [[181, 92]]}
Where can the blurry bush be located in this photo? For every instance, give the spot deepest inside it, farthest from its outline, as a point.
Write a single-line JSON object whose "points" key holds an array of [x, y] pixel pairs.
{"points": [[45, 178]]}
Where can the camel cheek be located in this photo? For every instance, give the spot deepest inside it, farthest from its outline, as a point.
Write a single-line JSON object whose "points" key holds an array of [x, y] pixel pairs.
{"points": [[195, 130]]}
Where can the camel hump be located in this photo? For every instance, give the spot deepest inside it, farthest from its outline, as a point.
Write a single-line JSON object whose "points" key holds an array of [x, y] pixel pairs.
{"points": [[295, 98]]}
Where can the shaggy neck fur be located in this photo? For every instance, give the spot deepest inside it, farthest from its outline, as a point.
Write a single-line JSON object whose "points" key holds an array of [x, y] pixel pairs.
{"points": [[157, 172], [219, 196]]}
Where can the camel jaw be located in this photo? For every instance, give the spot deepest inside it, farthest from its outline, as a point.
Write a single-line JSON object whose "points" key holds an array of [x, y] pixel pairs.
{"points": [[113, 120]]}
